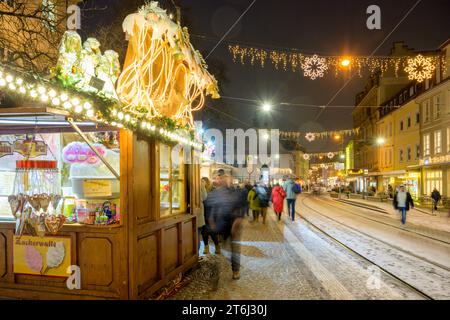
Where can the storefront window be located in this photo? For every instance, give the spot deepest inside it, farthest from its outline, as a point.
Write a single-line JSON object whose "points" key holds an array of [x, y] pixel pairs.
{"points": [[172, 180], [78, 184], [433, 179]]}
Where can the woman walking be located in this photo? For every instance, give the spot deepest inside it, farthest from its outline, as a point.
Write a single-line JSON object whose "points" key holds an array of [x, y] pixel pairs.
{"points": [[206, 229], [278, 196]]}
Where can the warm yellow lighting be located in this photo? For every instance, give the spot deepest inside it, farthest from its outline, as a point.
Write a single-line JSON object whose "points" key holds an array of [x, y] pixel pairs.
{"points": [[345, 62], [381, 141]]}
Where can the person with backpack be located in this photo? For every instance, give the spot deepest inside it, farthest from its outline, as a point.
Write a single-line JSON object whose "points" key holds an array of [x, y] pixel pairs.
{"points": [[262, 193], [291, 189], [253, 202], [278, 196], [436, 197]]}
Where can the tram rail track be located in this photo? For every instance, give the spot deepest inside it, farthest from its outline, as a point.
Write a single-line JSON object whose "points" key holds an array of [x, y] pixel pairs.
{"points": [[413, 288], [384, 223]]}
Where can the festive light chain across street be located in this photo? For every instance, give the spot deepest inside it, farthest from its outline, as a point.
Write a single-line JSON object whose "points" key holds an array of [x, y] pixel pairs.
{"points": [[419, 68]]}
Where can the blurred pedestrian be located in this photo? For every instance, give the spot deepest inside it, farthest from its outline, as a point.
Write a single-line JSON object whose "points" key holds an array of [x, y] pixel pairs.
{"points": [[201, 224], [206, 229], [403, 202], [292, 190], [254, 203], [262, 192], [436, 197], [226, 217], [278, 196]]}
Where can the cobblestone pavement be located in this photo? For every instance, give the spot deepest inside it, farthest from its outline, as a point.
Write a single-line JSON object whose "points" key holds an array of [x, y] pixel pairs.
{"points": [[399, 252], [285, 260]]}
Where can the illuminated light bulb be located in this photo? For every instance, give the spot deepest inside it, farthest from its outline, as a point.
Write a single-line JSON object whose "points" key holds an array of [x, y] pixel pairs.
{"points": [[345, 62], [78, 109], [87, 105], [120, 125], [44, 97], [143, 124], [12, 86], [9, 78], [19, 81], [75, 101], [52, 93], [127, 117], [161, 131], [56, 101], [114, 112], [113, 123], [33, 93], [153, 128], [64, 97], [2, 82], [22, 90], [120, 115], [41, 90], [148, 126], [67, 105]]}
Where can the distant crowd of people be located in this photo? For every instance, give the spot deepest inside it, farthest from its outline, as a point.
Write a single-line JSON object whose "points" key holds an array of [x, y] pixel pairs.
{"points": [[224, 206]]}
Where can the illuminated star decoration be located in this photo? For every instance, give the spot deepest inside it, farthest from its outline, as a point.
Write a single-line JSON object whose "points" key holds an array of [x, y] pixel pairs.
{"points": [[310, 137], [330, 155], [420, 68], [306, 156], [314, 67]]}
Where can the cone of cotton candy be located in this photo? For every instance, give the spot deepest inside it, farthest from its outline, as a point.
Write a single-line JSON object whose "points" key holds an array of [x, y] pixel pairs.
{"points": [[56, 255], [33, 259]]}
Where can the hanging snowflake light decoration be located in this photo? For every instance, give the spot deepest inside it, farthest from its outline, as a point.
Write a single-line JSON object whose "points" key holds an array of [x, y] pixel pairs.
{"points": [[306, 156], [420, 68], [314, 67], [310, 137], [330, 155]]}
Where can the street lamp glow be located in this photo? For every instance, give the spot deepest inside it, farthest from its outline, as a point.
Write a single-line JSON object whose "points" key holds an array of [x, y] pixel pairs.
{"points": [[381, 141], [337, 137], [342, 156], [267, 107], [345, 62]]}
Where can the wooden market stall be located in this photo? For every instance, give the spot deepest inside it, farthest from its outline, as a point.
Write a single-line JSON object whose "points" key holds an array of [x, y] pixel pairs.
{"points": [[114, 216]]}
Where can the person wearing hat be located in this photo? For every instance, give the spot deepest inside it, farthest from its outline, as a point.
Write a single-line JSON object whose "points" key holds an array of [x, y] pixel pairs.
{"points": [[403, 202]]}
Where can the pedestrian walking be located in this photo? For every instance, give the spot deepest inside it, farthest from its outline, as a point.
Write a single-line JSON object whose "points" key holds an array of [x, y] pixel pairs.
{"points": [[207, 229], [403, 202], [278, 196], [291, 189], [253, 201], [436, 197], [201, 224], [262, 193]]}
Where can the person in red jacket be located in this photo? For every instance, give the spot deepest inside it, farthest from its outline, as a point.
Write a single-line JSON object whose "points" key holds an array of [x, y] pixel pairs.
{"points": [[278, 196]]}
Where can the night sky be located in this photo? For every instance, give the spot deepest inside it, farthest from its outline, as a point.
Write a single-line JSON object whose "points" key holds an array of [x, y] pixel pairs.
{"points": [[319, 26]]}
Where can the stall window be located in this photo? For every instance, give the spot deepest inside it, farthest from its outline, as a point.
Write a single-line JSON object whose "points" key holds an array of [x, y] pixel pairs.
{"points": [[172, 180]]}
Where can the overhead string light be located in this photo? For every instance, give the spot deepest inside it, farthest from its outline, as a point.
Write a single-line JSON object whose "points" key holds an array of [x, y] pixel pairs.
{"points": [[312, 136], [315, 66]]}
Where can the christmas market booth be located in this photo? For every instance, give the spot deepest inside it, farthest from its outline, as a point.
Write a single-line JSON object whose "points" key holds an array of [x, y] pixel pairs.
{"points": [[99, 175]]}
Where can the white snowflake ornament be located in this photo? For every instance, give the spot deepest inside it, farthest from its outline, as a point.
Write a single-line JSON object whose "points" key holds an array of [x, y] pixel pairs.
{"points": [[314, 67]]}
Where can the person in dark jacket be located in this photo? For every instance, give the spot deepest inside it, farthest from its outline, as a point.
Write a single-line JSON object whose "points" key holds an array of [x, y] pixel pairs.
{"points": [[436, 196], [403, 202]]}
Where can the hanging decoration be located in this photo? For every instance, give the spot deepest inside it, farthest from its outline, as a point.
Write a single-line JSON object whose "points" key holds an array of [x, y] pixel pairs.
{"points": [[312, 136], [420, 68], [315, 66], [320, 156], [330, 155], [306, 157], [163, 74]]}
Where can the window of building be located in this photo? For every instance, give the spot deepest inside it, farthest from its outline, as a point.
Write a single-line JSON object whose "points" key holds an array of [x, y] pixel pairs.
{"points": [[390, 129], [401, 155], [172, 180], [401, 125], [426, 145], [436, 107], [390, 156], [417, 151], [433, 179], [437, 142], [426, 111], [417, 118], [408, 153], [411, 91], [408, 122]]}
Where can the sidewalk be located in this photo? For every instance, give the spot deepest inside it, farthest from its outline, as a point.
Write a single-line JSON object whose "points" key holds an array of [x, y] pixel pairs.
{"points": [[417, 220]]}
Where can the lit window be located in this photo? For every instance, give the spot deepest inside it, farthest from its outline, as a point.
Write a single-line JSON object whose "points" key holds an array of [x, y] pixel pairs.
{"points": [[401, 155], [409, 153], [437, 142], [426, 145], [437, 107], [172, 180]]}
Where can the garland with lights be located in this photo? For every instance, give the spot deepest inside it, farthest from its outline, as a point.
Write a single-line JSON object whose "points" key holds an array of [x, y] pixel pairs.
{"points": [[418, 68], [89, 106], [312, 136]]}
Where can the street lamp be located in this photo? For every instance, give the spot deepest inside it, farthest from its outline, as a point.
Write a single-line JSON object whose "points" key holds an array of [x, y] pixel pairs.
{"points": [[380, 141], [266, 107]]}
